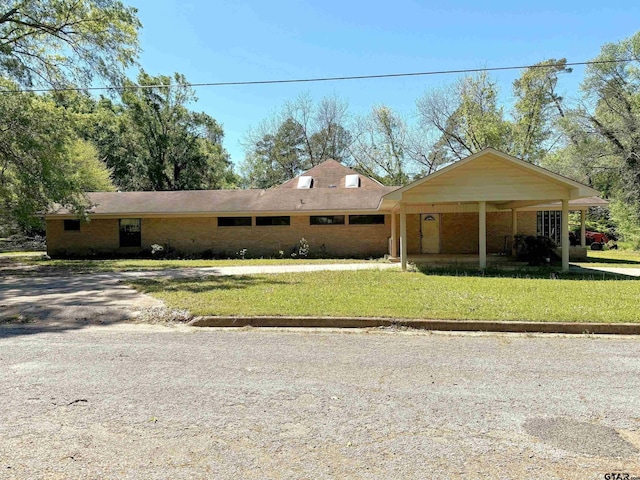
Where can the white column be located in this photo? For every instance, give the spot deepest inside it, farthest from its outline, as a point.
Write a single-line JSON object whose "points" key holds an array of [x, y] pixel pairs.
{"points": [[583, 228], [565, 235], [394, 237], [482, 234], [514, 229], [403, 237]]}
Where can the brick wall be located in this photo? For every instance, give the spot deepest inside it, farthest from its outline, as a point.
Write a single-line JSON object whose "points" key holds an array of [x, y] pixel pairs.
{"points": [[194, 235], [96, 236], [459, 231]]}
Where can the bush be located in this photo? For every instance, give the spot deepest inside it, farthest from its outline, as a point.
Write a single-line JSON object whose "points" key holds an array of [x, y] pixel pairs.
{"points": [[535, 250]]}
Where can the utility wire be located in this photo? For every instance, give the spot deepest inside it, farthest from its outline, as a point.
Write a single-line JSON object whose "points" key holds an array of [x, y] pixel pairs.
{"points": [[318, 79]]}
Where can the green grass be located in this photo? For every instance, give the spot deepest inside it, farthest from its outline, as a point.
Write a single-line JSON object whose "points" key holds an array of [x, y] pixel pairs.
{"points": [[397, 294], [124, 265], [22, 254], [612, 258]]}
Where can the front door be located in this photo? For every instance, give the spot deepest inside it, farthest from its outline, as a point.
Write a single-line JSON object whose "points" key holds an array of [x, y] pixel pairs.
{"points": [[430, 232]]}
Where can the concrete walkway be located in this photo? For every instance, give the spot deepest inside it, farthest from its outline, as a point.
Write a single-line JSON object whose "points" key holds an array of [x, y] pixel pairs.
{"points": [[630, 272]]}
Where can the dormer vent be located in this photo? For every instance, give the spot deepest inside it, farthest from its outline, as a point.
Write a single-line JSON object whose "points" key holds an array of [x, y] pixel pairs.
{"points": [[352, 181], [305, 181]]}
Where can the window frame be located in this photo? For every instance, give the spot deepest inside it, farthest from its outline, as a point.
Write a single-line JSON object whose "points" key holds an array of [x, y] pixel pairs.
{"points": [[317, 217], [68, 222], [123, 235], [382, 216], [549, 224], [244, 218], [261, 221]]}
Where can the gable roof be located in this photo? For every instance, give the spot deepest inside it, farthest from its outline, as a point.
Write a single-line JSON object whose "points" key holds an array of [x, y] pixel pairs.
{"points": [[581, 189], [331, 174]]}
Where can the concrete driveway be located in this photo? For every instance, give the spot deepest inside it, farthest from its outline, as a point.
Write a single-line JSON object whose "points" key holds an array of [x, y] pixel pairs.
{"points": [[103, 297], [134, 401]]}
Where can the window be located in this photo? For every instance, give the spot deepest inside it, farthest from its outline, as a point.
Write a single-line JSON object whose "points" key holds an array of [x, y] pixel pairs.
{"points": [[234, 221], [305, 181], [326, 220], [550, 225], [71, 225], [366, 219], [272, 221], [352, 181], [130, 232]]}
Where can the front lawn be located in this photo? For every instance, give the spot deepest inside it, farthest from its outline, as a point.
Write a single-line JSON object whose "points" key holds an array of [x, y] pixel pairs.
{"points": [[397, 294]]}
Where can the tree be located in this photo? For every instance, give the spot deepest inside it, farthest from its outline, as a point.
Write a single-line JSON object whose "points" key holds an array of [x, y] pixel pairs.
{"points": [[537, 109], [466, 117], [295, 139], [41, 160], [179, 149], [62, 43], [276, 158], [54, 43], [611, 114]]}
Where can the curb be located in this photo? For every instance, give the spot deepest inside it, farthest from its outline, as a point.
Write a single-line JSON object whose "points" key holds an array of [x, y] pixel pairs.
{"points": [[443, 325]]}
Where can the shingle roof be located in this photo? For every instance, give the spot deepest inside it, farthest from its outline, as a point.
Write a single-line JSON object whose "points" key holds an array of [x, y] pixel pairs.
{"points": [[232, 201], [331, 174], [285, 198]]}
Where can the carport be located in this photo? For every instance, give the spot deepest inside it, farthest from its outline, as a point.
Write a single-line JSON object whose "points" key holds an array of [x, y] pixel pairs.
{"points": [[487, 183]]}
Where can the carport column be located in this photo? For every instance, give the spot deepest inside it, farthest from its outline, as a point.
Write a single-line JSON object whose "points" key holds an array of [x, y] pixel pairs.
{"points": [[565, 235], [482, 234], [514, 230], [394, 237], [403, 237], [583, 228]]}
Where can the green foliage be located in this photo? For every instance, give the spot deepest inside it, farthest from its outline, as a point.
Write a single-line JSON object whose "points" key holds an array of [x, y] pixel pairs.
{"points": [[628, 228], [535, 250], [37, 158], [178, 149], [299, 137], [91, 174], [66, 42], [537, 107], [381, 149]]}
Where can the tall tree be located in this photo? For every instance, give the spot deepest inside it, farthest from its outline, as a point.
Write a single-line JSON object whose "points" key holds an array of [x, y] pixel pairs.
{"points": [[66, 42], [537, 109], [467, 118], [41, 159], [611, 114], [180, 149], [299, 136], [53, 43]]}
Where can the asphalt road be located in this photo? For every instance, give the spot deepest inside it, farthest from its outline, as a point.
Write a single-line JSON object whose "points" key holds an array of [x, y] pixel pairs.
{"points": [[138, 401]]}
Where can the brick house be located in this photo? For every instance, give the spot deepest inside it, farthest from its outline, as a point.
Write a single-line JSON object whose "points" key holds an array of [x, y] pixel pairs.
{"points": [[473, 206]]}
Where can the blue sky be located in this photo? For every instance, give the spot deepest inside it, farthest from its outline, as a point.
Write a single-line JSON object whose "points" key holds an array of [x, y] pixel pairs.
{"points": [[216, 41]]}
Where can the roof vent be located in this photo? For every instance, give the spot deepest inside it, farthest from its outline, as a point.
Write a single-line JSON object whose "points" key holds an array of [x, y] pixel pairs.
{"points": [[352, 181], [305, 181]]}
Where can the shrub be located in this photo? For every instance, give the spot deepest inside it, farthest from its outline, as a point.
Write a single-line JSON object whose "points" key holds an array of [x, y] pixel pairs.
{"points": [[535, 250]]}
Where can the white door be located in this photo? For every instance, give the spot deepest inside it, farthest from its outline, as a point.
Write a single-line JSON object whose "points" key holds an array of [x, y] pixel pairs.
{"points": [[430, 232]]}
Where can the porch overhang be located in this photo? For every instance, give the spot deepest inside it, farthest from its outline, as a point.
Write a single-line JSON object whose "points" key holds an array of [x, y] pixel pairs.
{"points": [[490, 181]]}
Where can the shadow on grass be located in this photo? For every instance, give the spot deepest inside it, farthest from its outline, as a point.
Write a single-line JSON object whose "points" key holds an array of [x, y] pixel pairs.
{"points": [[541, 273], [205, 284]]}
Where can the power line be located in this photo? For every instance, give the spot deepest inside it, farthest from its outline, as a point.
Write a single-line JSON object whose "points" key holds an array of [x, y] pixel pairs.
{"points": [[318, 79]]}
